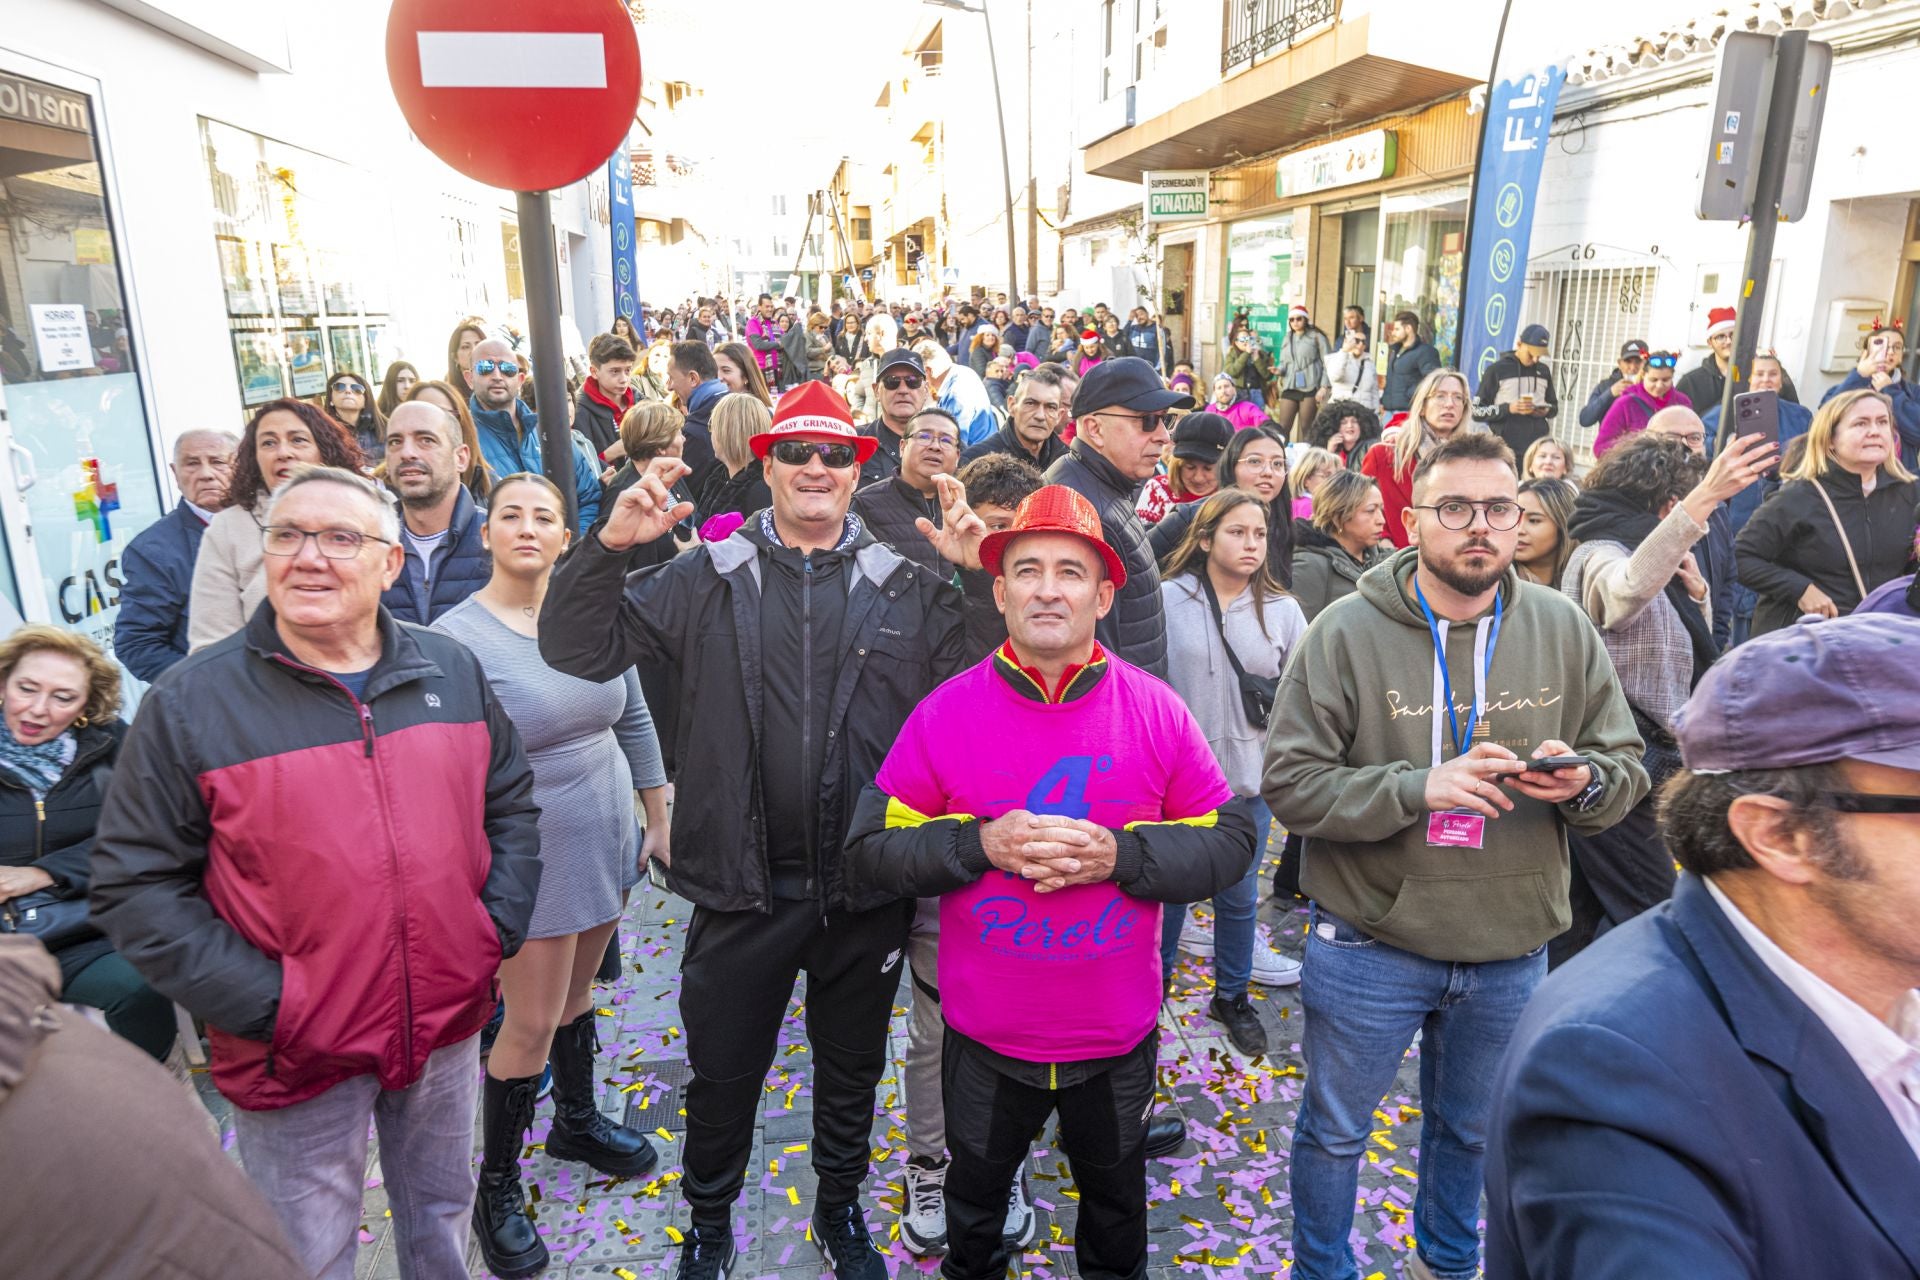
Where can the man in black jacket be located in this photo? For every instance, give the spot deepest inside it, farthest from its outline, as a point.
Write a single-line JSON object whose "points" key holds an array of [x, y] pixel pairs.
{"points": [[901, 388], [798, 646], [1516, 399], [1409, 360], [1037, 411], [1121, 412], [891, 507], [1633, 357]]}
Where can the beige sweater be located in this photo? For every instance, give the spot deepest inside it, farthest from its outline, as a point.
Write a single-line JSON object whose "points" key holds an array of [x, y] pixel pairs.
{"points": [[228, 584]]}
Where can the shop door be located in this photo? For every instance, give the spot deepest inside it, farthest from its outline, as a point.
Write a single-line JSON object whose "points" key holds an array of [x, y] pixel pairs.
{"points": [[80, 479], [1176, 285], [1359, 254]]}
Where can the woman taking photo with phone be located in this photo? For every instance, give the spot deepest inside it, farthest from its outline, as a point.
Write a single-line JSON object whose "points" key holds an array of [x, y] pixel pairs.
{"points": [[1841, 524], [592, 747], [1878, 369], [1230, 627]]}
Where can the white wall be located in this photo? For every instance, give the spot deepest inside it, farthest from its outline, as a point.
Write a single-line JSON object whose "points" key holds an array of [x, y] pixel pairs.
{"points": [[1622, 179]]}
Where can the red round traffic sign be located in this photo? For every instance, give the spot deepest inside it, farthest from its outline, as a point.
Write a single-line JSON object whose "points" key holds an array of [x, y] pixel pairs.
{"points": [[528, 95]]}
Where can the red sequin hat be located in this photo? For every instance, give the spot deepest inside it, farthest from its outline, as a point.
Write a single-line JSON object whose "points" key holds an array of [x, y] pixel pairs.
{"points": [[1054, 509]]}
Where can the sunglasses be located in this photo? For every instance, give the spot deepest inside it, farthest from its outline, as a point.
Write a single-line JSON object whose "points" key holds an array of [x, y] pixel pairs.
{"points": [[350, 388], [798, 453], [1662, 362], [893, 382], [1859, 802], [507, 367]]}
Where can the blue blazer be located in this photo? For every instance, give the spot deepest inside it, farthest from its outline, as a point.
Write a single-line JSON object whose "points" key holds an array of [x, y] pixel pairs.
{"points": [[150, 634], [1667, 1107]]}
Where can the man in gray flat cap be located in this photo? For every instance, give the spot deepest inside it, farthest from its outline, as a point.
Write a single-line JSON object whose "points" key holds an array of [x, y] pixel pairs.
{"points": [[1729, 1085]]}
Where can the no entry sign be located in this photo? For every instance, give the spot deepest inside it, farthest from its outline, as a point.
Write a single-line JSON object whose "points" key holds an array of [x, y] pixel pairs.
{"points": [[528, 95]]}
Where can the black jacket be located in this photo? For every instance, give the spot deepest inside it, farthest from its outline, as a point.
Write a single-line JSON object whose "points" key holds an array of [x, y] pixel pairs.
{"points": [[885, 461], [150, 634], [60, 841], [1136, 627], [1405, 369], [1790, 542], [745, 492], [1504, 382], [699, 617], [890, 508], [1324, 571], [1602, 399], [1007, 440], [597, 421]]}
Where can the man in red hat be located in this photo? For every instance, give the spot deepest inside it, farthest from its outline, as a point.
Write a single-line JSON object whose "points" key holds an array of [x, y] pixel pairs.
{"points": [[796, 648], [1705, 385], [1050, 854]]}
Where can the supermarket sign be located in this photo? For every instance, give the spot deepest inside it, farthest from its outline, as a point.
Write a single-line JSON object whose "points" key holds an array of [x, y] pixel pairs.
{"points": [[1175, 195], [1365, 157]]}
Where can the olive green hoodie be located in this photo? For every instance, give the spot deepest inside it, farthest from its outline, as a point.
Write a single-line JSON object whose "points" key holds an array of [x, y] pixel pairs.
{"points": [[1352, 742]]}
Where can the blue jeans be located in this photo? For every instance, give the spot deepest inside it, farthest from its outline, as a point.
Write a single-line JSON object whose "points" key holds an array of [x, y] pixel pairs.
{"points": [[1364, 1001], [1233, 912]]}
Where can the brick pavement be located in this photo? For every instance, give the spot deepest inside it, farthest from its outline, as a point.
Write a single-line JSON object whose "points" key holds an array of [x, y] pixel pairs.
{"points": [[1219, 1208]]}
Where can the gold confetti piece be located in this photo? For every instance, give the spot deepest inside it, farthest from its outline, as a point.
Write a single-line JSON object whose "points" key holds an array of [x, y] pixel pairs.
{"points": [[620, 1225], [673, 1234], [605, 1013], [793, 1196], [624, 1274], [664, 1135], [795, 1148]]}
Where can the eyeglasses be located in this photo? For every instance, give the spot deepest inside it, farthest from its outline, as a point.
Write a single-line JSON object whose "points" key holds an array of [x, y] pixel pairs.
{"points": [[349, 388], [1863, 802], [1457, 513], [1691, 439], [895, 381], [334, 544], [506, 367], [1663, 362], [934, 440], [1149, 422], [1448, 397], [1259, 466], [798, 453]]}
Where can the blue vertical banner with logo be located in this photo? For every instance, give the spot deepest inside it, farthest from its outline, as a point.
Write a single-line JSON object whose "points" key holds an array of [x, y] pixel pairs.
{"points": [[1513, 149], [626, 286]]}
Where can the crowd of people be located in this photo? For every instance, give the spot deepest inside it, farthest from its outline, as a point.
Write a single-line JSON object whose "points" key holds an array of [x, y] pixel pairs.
{"points": [[966, 649]]}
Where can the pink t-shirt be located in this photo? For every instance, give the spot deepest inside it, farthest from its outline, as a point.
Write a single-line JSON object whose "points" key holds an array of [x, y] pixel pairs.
{"points": [[1075, 974]]}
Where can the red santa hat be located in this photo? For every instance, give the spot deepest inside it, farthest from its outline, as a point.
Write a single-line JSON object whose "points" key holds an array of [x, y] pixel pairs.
{"points": [[1719, 320]]}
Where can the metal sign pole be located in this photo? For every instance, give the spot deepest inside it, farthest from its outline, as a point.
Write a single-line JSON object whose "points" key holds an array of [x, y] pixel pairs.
{"points": [[1789, 61], [540, 269]]}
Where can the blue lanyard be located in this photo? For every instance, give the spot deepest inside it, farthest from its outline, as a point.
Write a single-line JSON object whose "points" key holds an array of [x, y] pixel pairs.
{"points": [[1446, 677]]}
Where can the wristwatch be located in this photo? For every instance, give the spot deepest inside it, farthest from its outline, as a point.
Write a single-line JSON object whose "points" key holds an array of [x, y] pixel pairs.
{"points": [[1595, 791]]}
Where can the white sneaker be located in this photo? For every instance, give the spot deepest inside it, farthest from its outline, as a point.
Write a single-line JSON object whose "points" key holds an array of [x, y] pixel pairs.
{"points": [[1270, 968], [1022, 1223], [1196, 935], [923, 1207]]}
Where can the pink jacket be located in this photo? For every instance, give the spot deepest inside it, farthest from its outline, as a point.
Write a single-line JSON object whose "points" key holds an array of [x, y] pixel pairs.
{"points": [[1630, 412]]}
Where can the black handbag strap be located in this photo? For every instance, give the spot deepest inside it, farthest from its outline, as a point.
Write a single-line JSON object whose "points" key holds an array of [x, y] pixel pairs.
{"points": [[1220, 623]]}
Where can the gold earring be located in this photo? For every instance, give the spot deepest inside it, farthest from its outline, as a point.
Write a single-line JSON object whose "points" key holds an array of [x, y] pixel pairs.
{"points": [[82, 722]]}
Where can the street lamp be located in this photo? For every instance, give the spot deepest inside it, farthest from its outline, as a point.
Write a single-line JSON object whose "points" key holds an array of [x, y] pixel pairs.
{"points": [[999, 111]]}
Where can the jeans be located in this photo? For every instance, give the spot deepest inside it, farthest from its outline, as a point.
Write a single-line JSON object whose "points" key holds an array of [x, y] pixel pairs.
{"points": [[1364, 1002], [310, 1161], [1233, 912]]}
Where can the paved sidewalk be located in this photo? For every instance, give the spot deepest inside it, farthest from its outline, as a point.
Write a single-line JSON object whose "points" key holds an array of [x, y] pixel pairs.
{"points": [[1218, 1209]]}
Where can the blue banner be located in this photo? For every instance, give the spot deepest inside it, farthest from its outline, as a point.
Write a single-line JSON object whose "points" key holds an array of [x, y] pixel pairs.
{"points": [[1505, 183], [626, 288]]}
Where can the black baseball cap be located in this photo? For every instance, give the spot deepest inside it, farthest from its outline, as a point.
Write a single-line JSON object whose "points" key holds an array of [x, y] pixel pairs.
{"points": [[1535, 335], [1127, 382], [1201, 437], [1633, 349], [901, 357]]}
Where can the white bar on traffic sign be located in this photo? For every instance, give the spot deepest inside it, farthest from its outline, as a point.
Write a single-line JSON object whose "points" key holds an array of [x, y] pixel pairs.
{"points": [[512, 60]]}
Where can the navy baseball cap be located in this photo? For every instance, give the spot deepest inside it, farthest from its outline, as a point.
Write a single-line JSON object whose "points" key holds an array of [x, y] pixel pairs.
{"points": [[1848, 688], [1127, 382], [1535, 335], [900, 357]]}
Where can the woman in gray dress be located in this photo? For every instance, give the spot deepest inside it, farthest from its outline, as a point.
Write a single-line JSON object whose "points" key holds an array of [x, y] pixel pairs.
{"points": [[591, 745]]}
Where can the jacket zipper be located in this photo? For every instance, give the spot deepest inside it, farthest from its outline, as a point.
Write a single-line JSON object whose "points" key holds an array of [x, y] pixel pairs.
{"points": [[806, 706], [39, 828]]}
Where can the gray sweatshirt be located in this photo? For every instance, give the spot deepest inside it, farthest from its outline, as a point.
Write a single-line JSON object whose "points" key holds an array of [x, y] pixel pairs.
{"points": [[1199, 671]]}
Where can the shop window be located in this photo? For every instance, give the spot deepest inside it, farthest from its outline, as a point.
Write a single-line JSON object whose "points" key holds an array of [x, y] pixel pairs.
{"points": [[83, 478], [1261, 268], [305, 257], [1423, 242]]}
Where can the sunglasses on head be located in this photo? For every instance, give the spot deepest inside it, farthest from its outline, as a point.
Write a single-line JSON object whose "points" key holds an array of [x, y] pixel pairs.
{"points": [[895, 381], [798, 453], [1663, 362], [507, 367]]}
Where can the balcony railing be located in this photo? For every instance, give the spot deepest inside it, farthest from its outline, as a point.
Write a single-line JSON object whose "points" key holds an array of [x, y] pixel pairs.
{"points": [[1257, 27]]}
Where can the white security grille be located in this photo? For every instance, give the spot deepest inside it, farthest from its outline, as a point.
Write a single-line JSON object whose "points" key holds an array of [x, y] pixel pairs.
{"points": [[1590, 307]]}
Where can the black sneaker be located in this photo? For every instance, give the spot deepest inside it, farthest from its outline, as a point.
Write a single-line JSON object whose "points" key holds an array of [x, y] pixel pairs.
{"points": [[1242, 1023], [841, 1234], [707, 1253]]}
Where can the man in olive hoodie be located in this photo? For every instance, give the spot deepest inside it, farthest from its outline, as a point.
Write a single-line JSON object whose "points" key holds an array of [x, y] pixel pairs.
{"points": [[1435, 857]]}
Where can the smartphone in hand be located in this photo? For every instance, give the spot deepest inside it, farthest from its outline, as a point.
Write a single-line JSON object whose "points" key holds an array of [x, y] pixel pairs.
{"points": [[1757, 413]]}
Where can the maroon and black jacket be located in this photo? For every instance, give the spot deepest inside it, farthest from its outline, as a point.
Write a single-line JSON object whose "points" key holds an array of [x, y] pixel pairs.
{"points": [[329, 883]]}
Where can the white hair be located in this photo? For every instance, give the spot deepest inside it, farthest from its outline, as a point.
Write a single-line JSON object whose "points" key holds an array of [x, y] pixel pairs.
{"points": [[226, 440], [388, 519]]}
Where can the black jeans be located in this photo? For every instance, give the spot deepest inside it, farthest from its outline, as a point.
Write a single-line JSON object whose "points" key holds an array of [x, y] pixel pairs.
{"points": [[992, 1119], [737, 976], [1617, 874]]}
